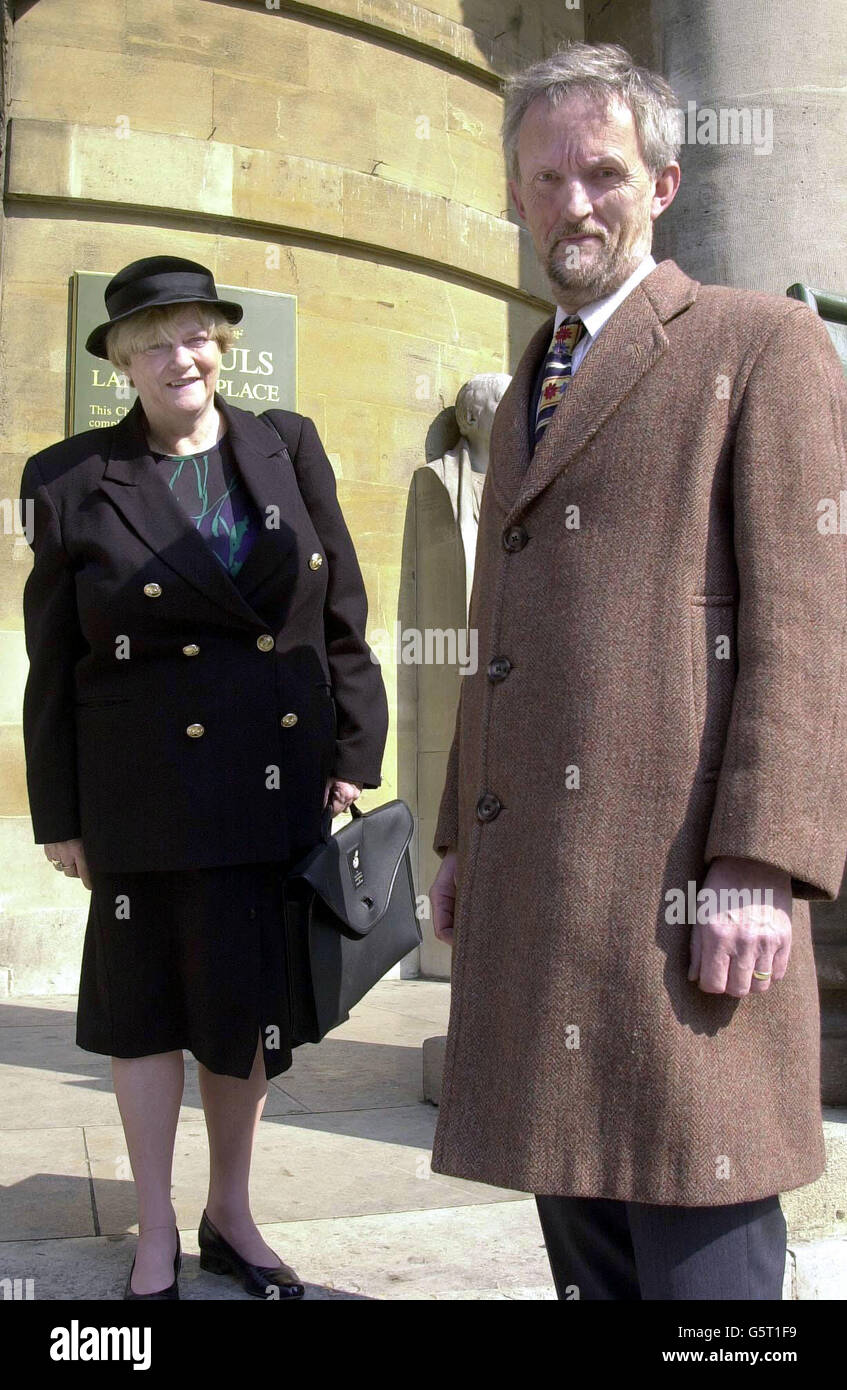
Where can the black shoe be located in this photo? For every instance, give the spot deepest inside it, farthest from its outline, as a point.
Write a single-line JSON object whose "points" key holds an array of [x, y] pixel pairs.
{"points": [[218, 1257], [172, 1291]]}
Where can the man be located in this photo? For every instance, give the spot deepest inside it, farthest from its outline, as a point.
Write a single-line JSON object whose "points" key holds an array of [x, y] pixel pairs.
{"points": [[645, 785]]}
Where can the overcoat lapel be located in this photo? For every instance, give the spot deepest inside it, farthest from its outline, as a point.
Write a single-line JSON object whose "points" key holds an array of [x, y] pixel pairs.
{"points": [[631, 343], [138, 488]]}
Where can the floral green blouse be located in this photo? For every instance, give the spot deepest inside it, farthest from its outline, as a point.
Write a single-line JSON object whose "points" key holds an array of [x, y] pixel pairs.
{"points": [[210, 490]]}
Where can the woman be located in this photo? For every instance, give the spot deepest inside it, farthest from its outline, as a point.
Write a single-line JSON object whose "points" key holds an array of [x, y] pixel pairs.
{"points": [[201, 701]]}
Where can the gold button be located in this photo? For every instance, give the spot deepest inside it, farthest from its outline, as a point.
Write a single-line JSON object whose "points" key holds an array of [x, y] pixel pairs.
{"points": [[265, 643], [191, 650], [287, 720], [195, 731], [152, 590], [315, 561]]}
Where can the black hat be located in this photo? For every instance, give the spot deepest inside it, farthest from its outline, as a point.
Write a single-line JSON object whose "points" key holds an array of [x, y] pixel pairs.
{"points": [[157, 280]]}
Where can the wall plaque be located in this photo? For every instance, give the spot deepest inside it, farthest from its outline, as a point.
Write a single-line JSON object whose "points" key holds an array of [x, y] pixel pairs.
{"points": [[258, 373]]}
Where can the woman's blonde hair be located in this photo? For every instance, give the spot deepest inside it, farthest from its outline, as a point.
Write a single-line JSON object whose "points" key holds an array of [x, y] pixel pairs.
{"points": [[149, 326]]}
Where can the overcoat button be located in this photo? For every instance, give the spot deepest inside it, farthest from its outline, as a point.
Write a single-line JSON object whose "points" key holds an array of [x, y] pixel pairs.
{"points": [[287, 720], [265, 643], [515, 537], [195, 731], [499, 668], [191, 650], [152, 590], [487, 806], [315, 561]]}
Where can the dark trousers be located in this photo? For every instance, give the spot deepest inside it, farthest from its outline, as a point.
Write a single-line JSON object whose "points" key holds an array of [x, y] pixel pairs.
{"points": [[636, 1250]]}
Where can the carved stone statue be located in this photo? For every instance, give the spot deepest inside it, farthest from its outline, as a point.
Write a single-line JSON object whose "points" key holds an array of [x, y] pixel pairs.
{"points": [[462, 469], [445, 498]]}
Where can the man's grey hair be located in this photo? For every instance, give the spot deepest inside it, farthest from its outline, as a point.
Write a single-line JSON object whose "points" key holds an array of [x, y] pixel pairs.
{"points": [[603, 71]]}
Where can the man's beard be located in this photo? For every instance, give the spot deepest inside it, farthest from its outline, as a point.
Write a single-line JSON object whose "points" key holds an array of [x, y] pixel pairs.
{"points": [[604, 272]]}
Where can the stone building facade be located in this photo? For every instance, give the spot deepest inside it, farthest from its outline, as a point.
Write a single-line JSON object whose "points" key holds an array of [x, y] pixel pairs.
{"points": [[348, 153]]}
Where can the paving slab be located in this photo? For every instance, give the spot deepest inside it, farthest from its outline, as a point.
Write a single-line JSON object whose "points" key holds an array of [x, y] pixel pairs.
{"points": [[397, 1256], [49, 1082], [820, 1269], [45, 1185], [305, 1167]]}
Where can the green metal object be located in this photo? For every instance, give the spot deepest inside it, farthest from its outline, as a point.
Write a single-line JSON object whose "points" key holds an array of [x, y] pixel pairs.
{"points": [[832, 308], [829, 919]]}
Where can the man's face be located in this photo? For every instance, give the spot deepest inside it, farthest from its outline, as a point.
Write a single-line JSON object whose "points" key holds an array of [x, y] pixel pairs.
{"points": [[586, 195]]}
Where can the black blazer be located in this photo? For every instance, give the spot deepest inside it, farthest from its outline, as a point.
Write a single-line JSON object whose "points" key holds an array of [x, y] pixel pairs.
{"points": [[136, 634]]}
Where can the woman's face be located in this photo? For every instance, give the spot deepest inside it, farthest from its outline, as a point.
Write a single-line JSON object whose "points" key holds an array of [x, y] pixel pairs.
{"points": [[177, 380]]}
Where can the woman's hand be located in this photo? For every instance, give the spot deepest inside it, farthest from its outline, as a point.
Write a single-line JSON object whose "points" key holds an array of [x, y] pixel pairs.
{"points": [[341, 794], [68, 857]]}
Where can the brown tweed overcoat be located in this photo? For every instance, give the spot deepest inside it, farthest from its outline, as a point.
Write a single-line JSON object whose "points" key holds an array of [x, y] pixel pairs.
{"points": [[674, 500]]}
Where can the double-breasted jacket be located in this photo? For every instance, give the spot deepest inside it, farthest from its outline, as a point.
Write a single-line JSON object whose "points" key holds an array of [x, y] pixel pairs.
{"points": [[174, 716]]}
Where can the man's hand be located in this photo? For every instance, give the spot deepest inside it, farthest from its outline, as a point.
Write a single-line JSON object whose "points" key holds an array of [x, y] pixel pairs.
{"points": [[68, 857], [747, 930], [442, 895]]}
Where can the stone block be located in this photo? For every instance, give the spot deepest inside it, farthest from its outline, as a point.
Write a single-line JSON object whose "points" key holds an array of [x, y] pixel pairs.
{"points": [[243, 40], [286, 191], [479, 176], [351, 430], [30, 883], [328, 125], [46, 1192], [819, 1269], [43, 947], [819, 1210], [373, 516], [120, 91], [414, 223], [474, 111], [13, 793], [14, 666], [434, 1050], [96, 26], [15, 565], [89, 164]]}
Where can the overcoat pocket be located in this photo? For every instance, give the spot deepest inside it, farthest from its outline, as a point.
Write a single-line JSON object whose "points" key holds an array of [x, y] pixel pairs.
{"points": [[713, 667]]}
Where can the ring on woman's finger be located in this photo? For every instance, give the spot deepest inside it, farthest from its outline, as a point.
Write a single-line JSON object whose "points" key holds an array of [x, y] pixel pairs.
{"points": [[762, 974], [57, 863]]}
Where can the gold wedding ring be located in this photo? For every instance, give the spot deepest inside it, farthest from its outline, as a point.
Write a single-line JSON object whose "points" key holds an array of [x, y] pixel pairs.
{"points": [[761, 974], [57, 863]]}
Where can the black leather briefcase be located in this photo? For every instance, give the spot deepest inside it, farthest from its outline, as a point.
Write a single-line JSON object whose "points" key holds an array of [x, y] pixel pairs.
{"points": [[349, 917]]}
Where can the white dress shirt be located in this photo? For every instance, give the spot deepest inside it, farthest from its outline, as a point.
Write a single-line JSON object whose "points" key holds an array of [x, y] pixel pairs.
{"points": [[597, 313]]}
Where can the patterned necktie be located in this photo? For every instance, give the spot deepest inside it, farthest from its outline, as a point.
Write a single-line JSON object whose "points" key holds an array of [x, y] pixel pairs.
{"points": [[558, 369]]}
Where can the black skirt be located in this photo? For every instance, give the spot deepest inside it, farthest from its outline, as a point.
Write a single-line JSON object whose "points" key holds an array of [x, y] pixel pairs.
{"points": [[190, 959]]}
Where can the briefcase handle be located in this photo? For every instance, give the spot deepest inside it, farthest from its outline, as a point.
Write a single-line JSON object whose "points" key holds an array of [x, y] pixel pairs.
{"points": [[327, 819]]}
